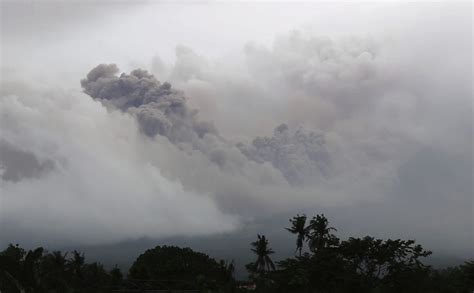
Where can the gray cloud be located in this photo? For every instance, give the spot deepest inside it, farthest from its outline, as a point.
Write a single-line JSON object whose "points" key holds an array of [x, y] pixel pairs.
{"points": [[159, 108], [300, 155], [381, 110], [377, 127], [102, 188], [17, 164]]}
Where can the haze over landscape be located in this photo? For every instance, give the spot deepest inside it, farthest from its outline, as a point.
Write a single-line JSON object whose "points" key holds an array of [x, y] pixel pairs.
{"points": [[130, 124]]}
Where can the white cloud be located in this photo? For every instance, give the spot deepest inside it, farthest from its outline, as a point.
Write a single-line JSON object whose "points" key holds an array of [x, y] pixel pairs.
{"points": [[102, 188]]}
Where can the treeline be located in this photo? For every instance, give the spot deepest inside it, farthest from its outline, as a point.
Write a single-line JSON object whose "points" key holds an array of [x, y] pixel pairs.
{"points": [[322, 263], [353, 265], [38, 271]]}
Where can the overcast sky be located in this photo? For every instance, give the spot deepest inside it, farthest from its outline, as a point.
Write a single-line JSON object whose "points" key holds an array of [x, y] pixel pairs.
{"points": [[376, 102]]}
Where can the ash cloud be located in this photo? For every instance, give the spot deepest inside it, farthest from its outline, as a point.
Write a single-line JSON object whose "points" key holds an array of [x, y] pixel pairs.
{"points": [[300, 155], [159, 108], [17, 164], [102, 188], [379, 127], [379, 105], [162, 110]]}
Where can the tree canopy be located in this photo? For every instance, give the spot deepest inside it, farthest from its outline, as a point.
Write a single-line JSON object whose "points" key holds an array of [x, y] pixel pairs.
{"points": [[327, 265], [171, 267], [361, 265]]}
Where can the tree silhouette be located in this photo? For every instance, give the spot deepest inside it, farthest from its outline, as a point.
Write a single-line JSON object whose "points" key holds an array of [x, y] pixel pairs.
{"points": [[75, 267], [468, 274], [176, 268], [11, 269], [356, 265], [31, 269], [54, 271], [319, 234], [389, 261], [263, 252], [298, 227]]}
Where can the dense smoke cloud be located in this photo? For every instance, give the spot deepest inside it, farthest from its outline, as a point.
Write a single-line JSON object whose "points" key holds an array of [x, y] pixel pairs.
{"points": [[300, 155], [18, 164], [159, 109], [382, 107], [361, 127], [72, 172]]}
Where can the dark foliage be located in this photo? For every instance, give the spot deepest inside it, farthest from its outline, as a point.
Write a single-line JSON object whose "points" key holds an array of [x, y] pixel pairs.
{"points": [[330, 265], [358, 265], [171, 267], [38, 271], [298, 227]]}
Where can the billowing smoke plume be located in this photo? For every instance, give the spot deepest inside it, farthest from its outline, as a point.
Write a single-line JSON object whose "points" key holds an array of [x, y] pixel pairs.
{"points": [[375, 128], [300, 155], [70, 172], [158, 108]]}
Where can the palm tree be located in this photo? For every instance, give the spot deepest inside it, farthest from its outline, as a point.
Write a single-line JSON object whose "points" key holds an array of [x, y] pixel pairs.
{"points": [[54, 268], [31, 269], [75, 267], [298, 224], [263, 251], [319, 233]]}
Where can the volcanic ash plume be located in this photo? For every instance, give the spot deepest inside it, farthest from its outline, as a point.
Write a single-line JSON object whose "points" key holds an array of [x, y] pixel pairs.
{"points": [[158, 108], [300, 155]]}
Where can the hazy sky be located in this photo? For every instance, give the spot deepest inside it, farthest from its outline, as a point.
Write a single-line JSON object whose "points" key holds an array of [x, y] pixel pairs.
{"points": [[376, 100]]}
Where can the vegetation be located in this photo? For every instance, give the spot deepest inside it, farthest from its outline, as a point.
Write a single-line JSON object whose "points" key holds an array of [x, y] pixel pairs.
{"points": [[299, 228], [359, 265], [39, 271], [328, 265], [173, 268]]}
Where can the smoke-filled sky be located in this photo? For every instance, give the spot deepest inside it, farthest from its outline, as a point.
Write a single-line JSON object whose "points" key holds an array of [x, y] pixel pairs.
{"points": [[158, 119]]}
